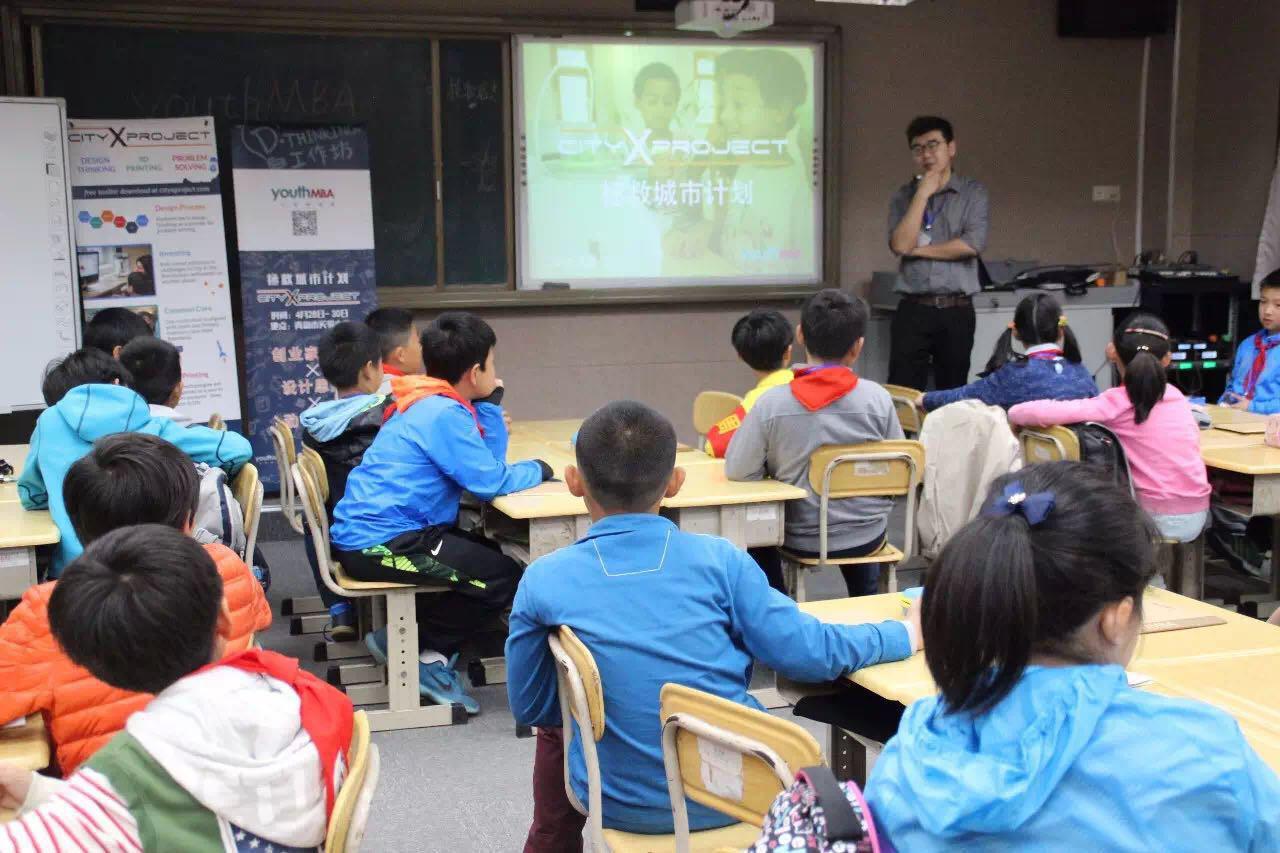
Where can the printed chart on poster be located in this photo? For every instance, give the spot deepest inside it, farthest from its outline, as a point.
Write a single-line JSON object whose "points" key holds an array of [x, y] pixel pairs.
{"points": [[150, 239], [304, 224]]}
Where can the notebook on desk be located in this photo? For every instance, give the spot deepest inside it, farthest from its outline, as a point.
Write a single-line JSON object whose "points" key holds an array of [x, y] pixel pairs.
{"points": [[1244, 427], [1158, 616]]}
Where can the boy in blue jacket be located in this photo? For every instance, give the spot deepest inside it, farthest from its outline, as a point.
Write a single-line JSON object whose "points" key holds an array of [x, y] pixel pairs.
{"points": [[397, 520], [1255, 376], [655, 605], [90, 397]]}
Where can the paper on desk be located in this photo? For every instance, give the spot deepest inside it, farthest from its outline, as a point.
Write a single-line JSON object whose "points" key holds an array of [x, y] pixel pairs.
{"points": [[15, 724]]}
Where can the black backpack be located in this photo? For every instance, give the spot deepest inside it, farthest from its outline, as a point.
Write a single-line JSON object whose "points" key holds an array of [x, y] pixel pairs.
{"points": [[1101, 446]]}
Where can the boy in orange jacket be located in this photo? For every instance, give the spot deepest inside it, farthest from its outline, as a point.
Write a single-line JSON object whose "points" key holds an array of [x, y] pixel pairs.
{"points": [[126, 479]]}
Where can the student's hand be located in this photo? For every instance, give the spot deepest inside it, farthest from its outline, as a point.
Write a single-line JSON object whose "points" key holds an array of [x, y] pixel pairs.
{"points": [[1275, 617], [506, 420], [1241, 403], [14, 785], [917, 630]]}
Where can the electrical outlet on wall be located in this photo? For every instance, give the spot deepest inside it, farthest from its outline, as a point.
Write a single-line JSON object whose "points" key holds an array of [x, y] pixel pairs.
{"points": [[1106, 193]]}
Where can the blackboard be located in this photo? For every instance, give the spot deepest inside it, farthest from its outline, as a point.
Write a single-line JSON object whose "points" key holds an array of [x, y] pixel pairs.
{"points": [[383, 84], [474, 162]]}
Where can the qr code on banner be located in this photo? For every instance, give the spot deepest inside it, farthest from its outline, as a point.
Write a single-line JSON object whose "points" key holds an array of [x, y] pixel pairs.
{"points": [[304, 223]]}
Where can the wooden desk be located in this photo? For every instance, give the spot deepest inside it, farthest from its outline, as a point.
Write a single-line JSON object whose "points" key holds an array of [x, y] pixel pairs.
{"points": [[1235, 666], [20, 532], [15, 455], [749, 514], [1250, 456], [26, 746]]}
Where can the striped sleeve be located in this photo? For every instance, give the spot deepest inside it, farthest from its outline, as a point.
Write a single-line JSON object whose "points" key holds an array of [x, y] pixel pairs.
{"points": [[85, 815]]}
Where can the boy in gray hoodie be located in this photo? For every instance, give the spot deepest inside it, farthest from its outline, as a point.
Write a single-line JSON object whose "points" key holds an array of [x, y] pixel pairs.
{"points": [[826, 403]]}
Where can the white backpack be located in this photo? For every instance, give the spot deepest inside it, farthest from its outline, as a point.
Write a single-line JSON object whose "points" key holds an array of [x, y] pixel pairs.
{"points": [[967, 445]]}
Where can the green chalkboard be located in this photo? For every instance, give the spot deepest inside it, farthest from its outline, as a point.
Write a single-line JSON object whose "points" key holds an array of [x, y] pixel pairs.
{"points": [[382, 84], [474, 174]]}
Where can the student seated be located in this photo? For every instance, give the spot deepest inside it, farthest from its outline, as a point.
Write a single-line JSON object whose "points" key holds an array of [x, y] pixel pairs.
{"points": [[340, 430], [94, 399], [240, 752], [826, 403], [401, 344], [1255, 376], [697, 611], [397, 520], [763, 340], [129, 478], [112, 328], [156, 368], [1037, 742], [1049, 367], [1154, 423]]}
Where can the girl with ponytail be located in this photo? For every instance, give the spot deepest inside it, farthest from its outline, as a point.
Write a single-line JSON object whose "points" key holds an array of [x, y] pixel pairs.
{"points": [[1048, 368], [1036, 741], [1154, 423]]}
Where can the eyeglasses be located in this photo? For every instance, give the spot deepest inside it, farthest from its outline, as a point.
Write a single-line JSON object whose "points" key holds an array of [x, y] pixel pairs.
{"points": [[931, 146]]}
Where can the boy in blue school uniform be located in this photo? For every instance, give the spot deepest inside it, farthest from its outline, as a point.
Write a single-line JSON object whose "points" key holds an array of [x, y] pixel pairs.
{"points": [[654, 605], [1255, 376], [397, 520]]}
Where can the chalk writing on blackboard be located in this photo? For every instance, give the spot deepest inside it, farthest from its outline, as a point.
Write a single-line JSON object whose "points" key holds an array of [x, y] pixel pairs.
{"points": [[472, 92], [257, 99], [484, 165]]}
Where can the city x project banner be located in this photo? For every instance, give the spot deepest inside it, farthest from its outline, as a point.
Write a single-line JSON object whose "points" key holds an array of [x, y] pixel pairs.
{"points": [[304, 223], [150, 238]]}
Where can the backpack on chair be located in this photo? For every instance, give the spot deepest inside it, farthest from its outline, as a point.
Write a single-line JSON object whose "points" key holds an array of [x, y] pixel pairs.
{"points": [[1101, 446], [821, 815], [217, 510]]}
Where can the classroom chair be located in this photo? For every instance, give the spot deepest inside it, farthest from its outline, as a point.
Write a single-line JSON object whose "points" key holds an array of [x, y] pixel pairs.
{"points": [[286, 453], [401, 692], [1049, 444], [582, 701], [839, 471], [351, 806], [710, 408], [700, 731], [216, 422], [908, 403], [246, 487]]}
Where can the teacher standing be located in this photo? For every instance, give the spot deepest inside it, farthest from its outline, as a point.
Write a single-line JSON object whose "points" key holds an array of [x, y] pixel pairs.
{"points": [[937, 228]]}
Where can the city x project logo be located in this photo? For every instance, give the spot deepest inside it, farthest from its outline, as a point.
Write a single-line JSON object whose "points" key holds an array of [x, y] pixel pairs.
{"points": [[122, 137], [640, 151]]}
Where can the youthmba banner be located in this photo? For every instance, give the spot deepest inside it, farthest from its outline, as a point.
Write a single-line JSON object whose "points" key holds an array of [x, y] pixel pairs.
{"points": [[149, 238], [304, 223]]}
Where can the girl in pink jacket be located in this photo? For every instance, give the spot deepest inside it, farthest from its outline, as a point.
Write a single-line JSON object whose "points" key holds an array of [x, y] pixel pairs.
{"points": [[1154, 423]]}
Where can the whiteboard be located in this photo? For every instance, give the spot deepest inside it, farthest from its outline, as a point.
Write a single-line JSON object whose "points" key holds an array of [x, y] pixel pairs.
{"points": [[41, 315]]}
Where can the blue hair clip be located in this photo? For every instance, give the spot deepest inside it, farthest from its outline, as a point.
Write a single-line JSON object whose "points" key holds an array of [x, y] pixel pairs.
{"points": [[1035, 508]]}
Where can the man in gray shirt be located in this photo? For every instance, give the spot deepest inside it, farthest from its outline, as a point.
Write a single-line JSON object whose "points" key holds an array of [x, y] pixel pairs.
{"points": [[937, 228]]}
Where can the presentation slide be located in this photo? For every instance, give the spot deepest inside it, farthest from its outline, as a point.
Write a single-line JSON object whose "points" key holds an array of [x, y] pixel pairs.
{"points": [[668, 162]]}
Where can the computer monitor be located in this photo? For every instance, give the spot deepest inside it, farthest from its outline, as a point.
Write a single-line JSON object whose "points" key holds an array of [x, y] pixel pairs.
{"points": [[88, 264]]}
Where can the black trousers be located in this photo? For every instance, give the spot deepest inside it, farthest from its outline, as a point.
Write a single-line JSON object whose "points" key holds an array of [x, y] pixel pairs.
{"points": [[860, 578], [482, 579], [922, 334]]}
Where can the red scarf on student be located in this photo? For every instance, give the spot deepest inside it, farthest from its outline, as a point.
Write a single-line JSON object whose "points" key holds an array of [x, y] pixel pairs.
{"points": [[326, 711], [410, 389], [1261, 347], [819, 386]]}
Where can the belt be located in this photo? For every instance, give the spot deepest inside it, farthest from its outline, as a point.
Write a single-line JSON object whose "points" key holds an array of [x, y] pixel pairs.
{"points": [[939, 300]]}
